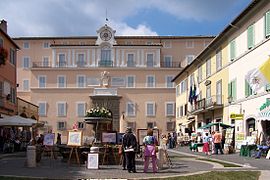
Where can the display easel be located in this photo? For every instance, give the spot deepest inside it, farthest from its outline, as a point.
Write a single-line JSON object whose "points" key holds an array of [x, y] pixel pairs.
{"points": [[107, 153], [76, 155]]}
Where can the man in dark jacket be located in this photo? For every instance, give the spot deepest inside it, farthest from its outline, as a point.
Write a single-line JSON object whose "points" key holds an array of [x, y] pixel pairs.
{"points": [[130, 146]]}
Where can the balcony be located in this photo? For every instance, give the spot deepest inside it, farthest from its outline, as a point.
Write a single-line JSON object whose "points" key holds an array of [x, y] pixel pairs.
{"points": [[198, 107], [105, 63], [170, 64], [41, 65], [214, 102]]}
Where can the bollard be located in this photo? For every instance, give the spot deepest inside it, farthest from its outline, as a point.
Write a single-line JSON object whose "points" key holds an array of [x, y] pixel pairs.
{"points": [[160, 157], [31, 156]]}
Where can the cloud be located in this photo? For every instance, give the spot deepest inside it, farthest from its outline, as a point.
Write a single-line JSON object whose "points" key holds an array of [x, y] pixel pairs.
{"points": [[84, 17]]}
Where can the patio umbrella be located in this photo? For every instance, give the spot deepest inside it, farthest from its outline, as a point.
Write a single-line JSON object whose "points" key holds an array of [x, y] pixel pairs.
{"points": [[17, 121], [213, 124]]}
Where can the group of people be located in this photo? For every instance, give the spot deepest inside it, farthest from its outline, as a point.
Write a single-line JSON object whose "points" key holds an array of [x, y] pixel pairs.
{"points": [[130, 147], [170, 140]]}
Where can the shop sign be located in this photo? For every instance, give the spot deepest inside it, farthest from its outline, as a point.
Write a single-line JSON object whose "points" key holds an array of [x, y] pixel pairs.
{"points": [[237, 116], [265, 105]]}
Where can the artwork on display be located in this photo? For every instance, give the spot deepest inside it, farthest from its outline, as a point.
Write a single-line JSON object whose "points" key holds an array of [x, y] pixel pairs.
{"points": [[74, 138], [109, 137], [92, 161], [229, 136], [120, 138], [141, 133], [49, 139]]}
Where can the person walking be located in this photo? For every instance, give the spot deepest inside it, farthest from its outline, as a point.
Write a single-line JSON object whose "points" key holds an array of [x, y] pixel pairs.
{"points": [[217, 141], [130, 146], [150, 142], [123, 154]]}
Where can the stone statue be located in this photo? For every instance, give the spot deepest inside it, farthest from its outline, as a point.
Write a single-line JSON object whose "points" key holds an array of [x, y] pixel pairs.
{"points": [[105, 79]]}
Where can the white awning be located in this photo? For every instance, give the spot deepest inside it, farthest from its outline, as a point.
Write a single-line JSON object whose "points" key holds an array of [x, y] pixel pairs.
{"points": [[17, 121], [264, 116]]}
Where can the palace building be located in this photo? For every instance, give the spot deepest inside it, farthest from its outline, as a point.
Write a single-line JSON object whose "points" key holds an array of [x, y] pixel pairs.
{"points": [[130, 75]]}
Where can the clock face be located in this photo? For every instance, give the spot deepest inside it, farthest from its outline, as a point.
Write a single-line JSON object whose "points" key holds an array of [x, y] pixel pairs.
{"points": [[105, 35]]}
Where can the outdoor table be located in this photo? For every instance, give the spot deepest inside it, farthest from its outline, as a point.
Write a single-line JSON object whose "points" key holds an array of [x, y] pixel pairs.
{"points": [[247, 149]]}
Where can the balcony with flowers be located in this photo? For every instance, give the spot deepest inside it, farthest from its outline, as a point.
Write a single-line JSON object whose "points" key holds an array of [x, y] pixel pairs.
{"points": [[98, 114]]}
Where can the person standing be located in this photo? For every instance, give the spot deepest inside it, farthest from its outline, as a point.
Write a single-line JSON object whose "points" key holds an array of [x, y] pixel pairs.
{"points": [[150, 142], [123, 154], [217, 141], [130, 146], [206, 144]]}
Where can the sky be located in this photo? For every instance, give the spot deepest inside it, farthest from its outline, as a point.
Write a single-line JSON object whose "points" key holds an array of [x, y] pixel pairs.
{"points": [[128, 17]]}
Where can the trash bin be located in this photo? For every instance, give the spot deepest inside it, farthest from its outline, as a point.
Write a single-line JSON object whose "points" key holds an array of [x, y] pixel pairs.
{"points": [[31, 156]]}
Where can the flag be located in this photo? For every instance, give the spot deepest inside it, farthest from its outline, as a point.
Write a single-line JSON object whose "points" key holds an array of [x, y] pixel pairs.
{"points": [[259, 77], [196, 93], [190, 95]]}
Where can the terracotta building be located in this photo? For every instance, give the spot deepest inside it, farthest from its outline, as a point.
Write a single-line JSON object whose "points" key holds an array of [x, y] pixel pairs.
{"points": [[130, 75]]}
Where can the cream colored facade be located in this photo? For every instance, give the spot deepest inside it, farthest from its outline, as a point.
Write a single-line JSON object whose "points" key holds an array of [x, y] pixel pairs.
{"points": [[63, 76], [237, 59]]}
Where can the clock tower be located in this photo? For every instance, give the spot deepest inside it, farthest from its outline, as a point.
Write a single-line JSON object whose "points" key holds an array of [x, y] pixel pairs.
{"points": [[105, 35]]}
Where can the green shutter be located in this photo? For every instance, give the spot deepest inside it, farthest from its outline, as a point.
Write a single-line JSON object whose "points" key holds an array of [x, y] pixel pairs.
{"points": [[232, 49], [229, 90], [267, 24], [234, 90], [248, 90], [250, 36]]}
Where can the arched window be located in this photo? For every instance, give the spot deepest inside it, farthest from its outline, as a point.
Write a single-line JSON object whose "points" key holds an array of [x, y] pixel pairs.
{"points": [[105, 59]]}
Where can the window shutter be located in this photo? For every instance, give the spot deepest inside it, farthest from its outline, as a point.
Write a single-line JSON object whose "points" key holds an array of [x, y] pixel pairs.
{"points": [[250, 34], [234, 89], [230, 89], [267, 24], [232, 50]]}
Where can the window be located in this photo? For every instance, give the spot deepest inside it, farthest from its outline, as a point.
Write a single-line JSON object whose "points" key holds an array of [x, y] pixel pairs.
{"points": [[12, 56], [190, 59], [169, 83], [150, 109], [81, 109], [26, 45], [232, 50], [62, 60], [167, 44], [218, 60], [189, 44], [26, 85], [250, 36], [42, 108], [167, 61], [248, 90], [80, 60], [208, 67], [150, 125], [13, 95], [45, 45], [232, 91], [61, 81], [183, 86], [130, 109], [80, 125], [130, 81], [41, 81], [150, 80], [181, 111], [130, 60], [118, 81], [61, 125], [178, 112], [171, 126], [208, 95], [26, 62], [81, 81], [1, 42], [105, 57], [61, 109], [169, 108], [45, 62], [219, 92], [150, 60], [178, 90], [93, 81], [267, 24], [200, 73]]}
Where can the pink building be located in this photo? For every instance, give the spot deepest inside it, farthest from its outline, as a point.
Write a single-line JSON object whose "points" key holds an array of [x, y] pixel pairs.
{"points": [[130, 75]]}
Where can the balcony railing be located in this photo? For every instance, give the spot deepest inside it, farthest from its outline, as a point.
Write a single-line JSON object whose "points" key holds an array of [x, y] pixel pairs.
{"points": [[198, 106], [170, 64], [107, 63], [214, 101]]}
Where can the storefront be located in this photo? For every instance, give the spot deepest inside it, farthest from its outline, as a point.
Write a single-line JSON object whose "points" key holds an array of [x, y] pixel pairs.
{"points": [[263, 120]]}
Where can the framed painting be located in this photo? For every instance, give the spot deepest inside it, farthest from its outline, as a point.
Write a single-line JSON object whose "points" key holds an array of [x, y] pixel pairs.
{"points": [[141, 133], [49, 139], [74, 138], [109, 137], [92, 161]]}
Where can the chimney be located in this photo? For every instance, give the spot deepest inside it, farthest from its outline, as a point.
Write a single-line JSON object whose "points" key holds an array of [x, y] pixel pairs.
{"points": [[3, 25]]}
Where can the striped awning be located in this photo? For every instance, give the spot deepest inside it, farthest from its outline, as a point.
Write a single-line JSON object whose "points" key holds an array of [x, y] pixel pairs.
{"points": [[264, 116]]}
